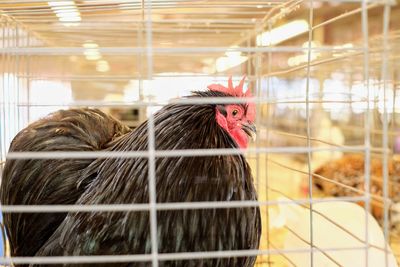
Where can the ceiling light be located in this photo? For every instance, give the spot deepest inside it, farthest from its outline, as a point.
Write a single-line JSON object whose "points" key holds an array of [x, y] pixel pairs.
{"points": [[71, 24], [90, 44], [232, 53], [345, 47], [61, 8], [224, 63], [92, 54], [70, 14], [91, 50], [303, 58], [282, 33], [60, 3], [102, 66], [66, 11], [69, 19]]}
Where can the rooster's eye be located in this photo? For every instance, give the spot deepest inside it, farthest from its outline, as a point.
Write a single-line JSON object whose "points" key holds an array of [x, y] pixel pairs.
{"points": [[235, 112]]}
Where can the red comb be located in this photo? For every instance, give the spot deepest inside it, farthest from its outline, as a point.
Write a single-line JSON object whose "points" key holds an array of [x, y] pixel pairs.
{"points": [[230, 90], [237, 92]]}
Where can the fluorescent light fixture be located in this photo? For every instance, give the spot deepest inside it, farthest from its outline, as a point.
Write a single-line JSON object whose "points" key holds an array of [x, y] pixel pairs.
{"points": [[232, 53], [64, 8], [69, 14], [348, 46], [93, 57], [90, 44], [71, 24], [224, 63], [303, 58], [232, 59], [92, 54], [61, 3], [282, 33], [91, 50], [102, 66], [69, 19], [66, 11]]}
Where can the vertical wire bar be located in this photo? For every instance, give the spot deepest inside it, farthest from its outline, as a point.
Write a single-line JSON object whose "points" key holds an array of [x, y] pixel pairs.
{"points": [[16, 80], [22, 98], [258, 96], [151, 143], [6, 78], [25, 116], [12, 81], [257, 73], [17, 83], [367, 141], [385, 141], [28, 80], [269, 78], [3, 113], [2, 155], [140, 64], [310, 188], [3, 104]]}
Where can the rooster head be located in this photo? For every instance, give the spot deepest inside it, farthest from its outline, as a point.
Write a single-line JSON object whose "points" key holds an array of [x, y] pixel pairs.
{"points": [[236, 119]]}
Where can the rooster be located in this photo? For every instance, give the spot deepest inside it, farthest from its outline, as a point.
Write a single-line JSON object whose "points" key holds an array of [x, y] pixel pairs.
{"points": [[51, 181], [178, 179]]}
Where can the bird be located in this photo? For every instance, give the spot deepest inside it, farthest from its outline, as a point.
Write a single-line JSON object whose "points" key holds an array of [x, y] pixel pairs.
{"points": [[349, 171], [226, 177], [336, 225], [51, 181]]}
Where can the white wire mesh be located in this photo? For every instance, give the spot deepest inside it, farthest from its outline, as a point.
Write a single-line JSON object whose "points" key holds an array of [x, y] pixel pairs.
{"points": [[141, 35]]}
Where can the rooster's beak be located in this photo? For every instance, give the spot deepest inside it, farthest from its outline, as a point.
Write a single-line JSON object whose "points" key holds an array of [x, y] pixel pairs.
{"points": [[250, 129]]}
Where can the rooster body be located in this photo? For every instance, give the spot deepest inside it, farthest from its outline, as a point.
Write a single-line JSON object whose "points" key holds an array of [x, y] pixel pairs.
{"points": [[178, 179]]}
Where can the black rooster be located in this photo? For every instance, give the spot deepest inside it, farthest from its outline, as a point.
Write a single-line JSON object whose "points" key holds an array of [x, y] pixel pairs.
{"points": [[178, 179]]}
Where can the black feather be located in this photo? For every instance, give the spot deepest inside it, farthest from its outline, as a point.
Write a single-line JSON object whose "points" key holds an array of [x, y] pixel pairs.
{"points": [[52, 181]]}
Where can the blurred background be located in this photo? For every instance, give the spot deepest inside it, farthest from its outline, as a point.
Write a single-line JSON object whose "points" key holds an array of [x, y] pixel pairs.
{"points": [[326, 75]]}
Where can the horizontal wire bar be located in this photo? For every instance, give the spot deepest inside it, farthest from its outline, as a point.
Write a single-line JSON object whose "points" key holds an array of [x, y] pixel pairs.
{"points": [[152, 104], [189, 101], [199, 1], [168, 21], [160, 50], [98, 2], [172, 153], [122, 77], [165, 206], [160, 256]]}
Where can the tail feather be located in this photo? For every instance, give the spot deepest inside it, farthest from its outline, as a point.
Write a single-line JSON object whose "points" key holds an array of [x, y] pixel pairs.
{"points": [[51, 181]]}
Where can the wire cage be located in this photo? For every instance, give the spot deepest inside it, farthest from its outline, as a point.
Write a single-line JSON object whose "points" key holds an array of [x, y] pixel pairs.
{"points": [[324, 75]]}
